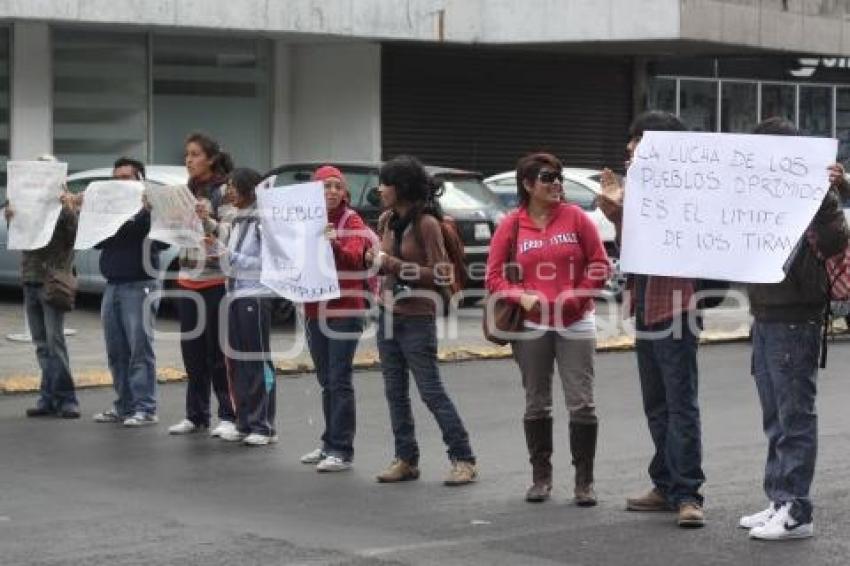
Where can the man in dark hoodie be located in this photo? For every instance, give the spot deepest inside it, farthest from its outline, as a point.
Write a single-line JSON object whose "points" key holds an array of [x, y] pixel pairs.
{"points": [[130, 266], [786, 340]]}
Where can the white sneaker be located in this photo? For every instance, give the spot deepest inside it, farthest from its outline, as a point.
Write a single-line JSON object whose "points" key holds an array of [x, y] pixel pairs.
{"points": [[783, 527], [141, 419], [255, 439], [108, 416], [232, 435], [223, 426], [313, 457], [184, 427], [757, 519], [333, 464]]}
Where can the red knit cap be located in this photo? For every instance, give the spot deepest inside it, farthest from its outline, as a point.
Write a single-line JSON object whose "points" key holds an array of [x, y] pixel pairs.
{"points": [[327, 171]]}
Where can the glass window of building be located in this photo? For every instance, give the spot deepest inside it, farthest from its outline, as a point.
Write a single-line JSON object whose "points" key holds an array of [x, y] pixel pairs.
{"points": [[662, 95], [816, 111], [100, 97], [4, 107], [219, 86], [778, 100], [698, 105], [842, 123], [738, 107]]}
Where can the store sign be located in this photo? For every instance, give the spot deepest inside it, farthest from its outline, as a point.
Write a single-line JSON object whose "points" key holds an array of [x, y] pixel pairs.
{"points": [[809, 65]]}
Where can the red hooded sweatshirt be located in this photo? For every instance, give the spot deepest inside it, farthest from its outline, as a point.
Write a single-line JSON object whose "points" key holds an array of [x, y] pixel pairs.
{"points": [[562, 264]]}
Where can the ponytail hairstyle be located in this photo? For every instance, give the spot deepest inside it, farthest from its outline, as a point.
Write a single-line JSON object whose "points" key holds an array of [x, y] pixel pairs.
{"points": [[222, 163]]}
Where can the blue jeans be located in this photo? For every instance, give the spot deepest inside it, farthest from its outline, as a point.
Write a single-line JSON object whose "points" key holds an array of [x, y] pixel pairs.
{"points": [[669, 385], [46, 326], [785, 367], [129, 345], [411, 344], [334, 358]]}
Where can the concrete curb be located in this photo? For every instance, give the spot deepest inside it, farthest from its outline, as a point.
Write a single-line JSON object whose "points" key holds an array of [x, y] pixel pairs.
{"points": [[17, 384]]}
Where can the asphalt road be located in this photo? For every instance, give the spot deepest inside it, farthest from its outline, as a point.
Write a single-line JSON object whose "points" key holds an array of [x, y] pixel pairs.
{"points": [[76, 492]]}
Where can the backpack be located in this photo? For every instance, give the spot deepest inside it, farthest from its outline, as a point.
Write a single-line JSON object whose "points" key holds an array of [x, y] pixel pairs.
{"points": [[457, 255]]}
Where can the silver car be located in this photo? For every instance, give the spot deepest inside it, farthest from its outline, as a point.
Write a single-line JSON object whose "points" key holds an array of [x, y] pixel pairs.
{"points": [[87, 261]]}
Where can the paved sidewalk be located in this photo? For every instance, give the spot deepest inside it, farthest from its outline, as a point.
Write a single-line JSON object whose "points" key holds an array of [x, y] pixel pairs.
{"points": [[460, 340]]}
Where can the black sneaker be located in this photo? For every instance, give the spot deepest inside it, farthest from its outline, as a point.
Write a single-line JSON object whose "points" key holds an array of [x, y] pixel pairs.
{"points": [[39, 412], [69, 413]]}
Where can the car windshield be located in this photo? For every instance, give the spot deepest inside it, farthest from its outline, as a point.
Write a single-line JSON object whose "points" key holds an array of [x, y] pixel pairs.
{"points": [[574, 192], [468, 194], [356, 181]]}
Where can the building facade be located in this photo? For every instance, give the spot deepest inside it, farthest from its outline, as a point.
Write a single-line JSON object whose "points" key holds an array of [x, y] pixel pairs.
{"points": [[466, 83]]}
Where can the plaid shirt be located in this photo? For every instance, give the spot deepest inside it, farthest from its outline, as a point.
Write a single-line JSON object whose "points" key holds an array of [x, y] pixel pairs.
{"points": [[664, 298]]}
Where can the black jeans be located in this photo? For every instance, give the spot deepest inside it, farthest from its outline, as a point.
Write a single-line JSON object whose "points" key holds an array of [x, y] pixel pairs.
{"points": [[203, 357]]}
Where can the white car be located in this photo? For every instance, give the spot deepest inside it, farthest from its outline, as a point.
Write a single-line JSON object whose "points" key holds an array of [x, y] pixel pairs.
{"points": [[87, 261], [580, 187]]}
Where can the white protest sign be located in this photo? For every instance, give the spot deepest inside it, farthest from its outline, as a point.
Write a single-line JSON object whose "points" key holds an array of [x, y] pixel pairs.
{"points": [[298, 262], [173, 217], [33, 191], [106, 207], [721, 206]]}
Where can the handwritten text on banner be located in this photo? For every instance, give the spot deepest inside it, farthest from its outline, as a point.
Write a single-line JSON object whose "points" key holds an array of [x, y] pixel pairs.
{"points": [[721, 206], [298, 262]]}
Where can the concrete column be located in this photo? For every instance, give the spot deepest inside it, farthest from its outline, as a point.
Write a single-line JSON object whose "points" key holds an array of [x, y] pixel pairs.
{"points": [[336, 91], [281, 103], [31, 83]]}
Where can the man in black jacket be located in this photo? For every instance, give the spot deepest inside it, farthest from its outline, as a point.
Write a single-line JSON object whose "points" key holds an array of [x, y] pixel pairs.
{"points": [[127, 311], [786, 345]]}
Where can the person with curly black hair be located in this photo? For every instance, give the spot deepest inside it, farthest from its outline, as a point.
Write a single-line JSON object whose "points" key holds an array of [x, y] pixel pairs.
{"points": [[413, 259]]}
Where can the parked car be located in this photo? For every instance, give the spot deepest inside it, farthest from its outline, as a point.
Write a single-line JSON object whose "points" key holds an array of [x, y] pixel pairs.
{"points": [[87, 261], [475, 209], [580, 188]]}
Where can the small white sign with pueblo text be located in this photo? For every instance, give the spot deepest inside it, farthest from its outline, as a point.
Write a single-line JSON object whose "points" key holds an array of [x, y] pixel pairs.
{"points": [[297, 260]]}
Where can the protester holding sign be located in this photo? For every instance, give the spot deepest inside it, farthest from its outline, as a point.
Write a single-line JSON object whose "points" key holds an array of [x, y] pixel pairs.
{"points": [[130, 265], [666, 348], [42, 269], [786, 339], [412, 257], [202, 281], [563, 262], [333, 327], [248, 320]]}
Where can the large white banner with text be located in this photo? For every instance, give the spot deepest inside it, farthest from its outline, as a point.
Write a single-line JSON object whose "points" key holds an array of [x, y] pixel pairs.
{"points": [[298, 262], [33, 190], [721, 206], [106, 207]]}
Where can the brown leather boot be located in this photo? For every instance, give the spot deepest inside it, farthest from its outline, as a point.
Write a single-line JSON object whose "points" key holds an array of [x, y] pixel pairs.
{"points": [[583, 448], [538, 437]]}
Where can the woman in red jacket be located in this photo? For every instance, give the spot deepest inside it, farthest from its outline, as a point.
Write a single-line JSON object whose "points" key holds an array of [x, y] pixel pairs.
{"points": [[334, 327], [563, 264]]}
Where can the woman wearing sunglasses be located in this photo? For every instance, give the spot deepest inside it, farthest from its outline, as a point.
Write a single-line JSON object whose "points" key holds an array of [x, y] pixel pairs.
{"points": [[562, 264]]}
